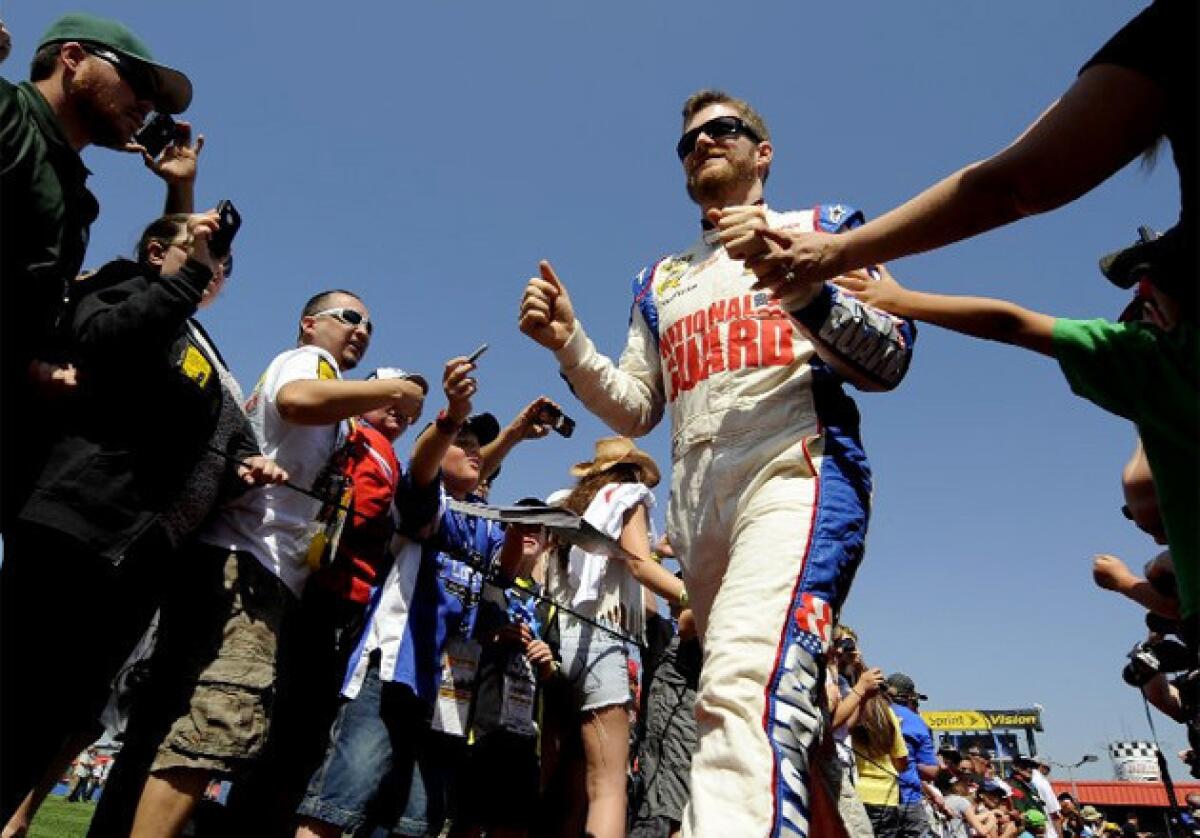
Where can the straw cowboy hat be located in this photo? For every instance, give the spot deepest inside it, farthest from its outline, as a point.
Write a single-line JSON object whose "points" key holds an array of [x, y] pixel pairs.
{"points": [[612, 450]]}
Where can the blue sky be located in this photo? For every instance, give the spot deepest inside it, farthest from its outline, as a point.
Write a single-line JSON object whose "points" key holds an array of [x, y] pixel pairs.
{"points": [[427, 155]]}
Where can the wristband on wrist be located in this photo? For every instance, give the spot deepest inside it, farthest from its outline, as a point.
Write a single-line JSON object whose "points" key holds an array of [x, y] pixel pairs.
{"points": [[684, 599], [446, 424]]}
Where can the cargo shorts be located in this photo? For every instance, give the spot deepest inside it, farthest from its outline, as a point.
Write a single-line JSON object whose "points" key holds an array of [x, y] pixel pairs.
{"points": [[219, 638]]}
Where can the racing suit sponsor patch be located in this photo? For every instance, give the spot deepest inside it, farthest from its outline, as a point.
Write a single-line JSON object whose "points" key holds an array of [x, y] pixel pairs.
{"points": [[757, 333], [794, 725], [814, 617], [669, 273]]}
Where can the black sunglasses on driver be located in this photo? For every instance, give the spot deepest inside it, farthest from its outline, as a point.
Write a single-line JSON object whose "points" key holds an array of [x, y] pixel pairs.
{"points": [[717, 128]]}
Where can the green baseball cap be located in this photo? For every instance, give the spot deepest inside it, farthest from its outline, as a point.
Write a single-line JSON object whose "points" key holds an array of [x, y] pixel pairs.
{"points": [[1034, 818], [172, 88]]}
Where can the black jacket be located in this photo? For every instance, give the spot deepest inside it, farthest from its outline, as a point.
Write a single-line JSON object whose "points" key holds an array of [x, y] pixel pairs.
{"points": [[143, 414], [46, 212]]}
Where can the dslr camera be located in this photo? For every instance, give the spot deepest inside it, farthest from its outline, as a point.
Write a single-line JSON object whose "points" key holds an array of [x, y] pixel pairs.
{"points": [[1153, 657]]}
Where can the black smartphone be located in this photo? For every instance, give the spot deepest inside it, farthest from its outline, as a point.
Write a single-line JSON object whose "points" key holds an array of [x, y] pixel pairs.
{"points": [[158, 133], [229, 221], [562, 424]]}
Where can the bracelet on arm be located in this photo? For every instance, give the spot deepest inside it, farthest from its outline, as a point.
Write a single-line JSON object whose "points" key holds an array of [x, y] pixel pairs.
{"points": [[446, 424], [684, 599]]}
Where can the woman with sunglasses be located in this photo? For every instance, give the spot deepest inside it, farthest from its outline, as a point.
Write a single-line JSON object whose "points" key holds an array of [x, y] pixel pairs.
{"points": [[134, 330], [848, 685], [135, 464]]}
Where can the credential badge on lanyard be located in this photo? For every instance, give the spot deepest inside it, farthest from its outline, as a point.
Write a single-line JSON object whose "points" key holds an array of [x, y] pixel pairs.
{"points": [[460, 662], [336, 489], [517, 700]]}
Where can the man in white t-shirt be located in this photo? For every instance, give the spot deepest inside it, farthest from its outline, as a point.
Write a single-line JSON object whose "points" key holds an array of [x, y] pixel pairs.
{"points": [[1045, 791], [82, 772], [215, 666]]}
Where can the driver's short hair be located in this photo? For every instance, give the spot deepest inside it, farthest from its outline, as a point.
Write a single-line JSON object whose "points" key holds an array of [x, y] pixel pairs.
{"points": [[701, 99]]}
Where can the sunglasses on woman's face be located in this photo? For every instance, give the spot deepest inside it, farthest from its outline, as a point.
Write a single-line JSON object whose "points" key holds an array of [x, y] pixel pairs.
{"points": [[716, 129]]}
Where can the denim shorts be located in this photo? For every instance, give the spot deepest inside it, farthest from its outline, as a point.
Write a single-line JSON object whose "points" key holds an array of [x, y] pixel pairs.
{"points": [[371, 742], [595, 663]]}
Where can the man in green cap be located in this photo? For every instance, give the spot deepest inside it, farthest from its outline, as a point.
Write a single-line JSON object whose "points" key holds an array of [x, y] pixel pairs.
{"points": [[1035, 824], [92, 82]]}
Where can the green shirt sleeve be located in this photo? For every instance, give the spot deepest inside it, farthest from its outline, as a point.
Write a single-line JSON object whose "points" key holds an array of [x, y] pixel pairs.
{"points": [[1104, 362]]}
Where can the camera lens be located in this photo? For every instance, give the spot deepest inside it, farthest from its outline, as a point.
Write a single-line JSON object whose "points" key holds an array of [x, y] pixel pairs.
{"points": [[1143, 665]]}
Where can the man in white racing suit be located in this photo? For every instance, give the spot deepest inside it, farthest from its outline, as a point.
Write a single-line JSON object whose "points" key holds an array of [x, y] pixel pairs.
{"points": [[770, 487]]}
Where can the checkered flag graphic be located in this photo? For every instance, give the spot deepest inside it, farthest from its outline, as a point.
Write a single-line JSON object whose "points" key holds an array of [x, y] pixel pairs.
{"points": [[1133, 750]]}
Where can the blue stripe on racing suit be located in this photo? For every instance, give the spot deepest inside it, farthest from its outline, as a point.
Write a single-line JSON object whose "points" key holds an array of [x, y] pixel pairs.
{"points": [[838, 540], [792, 724], [835, 551], [643, 284]]}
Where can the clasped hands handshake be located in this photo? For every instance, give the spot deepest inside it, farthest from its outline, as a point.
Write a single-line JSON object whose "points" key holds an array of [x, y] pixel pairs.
{"points": [[790, 263]]}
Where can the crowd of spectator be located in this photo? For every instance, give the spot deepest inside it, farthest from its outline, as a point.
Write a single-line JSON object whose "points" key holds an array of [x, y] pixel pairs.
{"points": [[891, 771], [349, 640]]}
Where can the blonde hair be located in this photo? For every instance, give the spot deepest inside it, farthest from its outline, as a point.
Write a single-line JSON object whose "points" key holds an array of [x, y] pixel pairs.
{"points": [[875, 732]]}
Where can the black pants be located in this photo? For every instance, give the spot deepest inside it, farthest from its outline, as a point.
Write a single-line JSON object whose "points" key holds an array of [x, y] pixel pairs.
{"points": [[904, 821], [82, 790], [48, 583]]}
